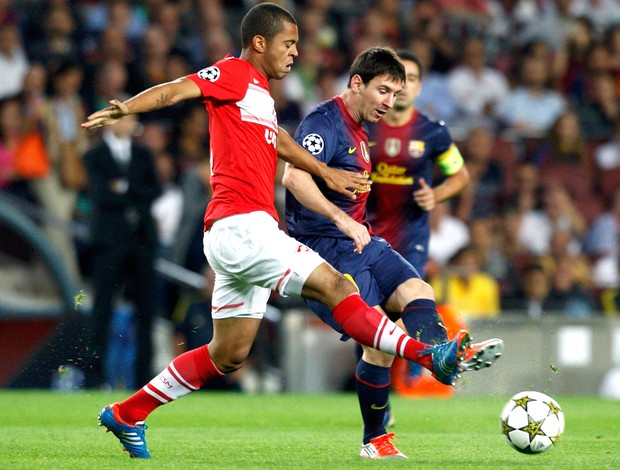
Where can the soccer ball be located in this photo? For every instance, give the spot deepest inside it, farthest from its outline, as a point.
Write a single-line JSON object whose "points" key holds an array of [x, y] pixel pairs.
{"points": [[532, 422]]}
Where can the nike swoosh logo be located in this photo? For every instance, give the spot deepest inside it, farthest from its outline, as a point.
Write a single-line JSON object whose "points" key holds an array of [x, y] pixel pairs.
{"points": [[377, 407], [372, 144], [393, 330], [351, 150]]}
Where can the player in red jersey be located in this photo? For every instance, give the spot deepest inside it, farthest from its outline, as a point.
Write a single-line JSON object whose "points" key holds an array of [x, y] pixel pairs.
{"points": [[248, 253]]}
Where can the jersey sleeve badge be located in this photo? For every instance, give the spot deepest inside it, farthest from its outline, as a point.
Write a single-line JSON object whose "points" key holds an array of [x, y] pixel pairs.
{"points": [[210, 73], [313, 143]]}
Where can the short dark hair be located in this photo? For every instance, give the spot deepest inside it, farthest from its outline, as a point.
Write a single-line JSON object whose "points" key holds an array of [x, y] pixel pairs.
{"points": [[406, 54], [264, 19], [375, 62]]}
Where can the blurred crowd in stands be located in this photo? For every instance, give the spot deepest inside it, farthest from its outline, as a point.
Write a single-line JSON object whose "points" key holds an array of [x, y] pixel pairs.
{"points": [[530, 90]]}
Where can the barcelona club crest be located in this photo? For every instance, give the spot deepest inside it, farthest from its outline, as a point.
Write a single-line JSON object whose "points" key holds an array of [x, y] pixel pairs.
{"points": [[416, 148]]}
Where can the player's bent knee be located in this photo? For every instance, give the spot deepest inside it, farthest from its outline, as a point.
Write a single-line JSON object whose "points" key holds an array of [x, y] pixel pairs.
{"points": [[377, 358], [231, 364], [420, 289], [228, 358]]}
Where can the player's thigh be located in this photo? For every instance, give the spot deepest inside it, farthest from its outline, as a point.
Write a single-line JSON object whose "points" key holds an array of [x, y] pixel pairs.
{"points": [[251, 249]]}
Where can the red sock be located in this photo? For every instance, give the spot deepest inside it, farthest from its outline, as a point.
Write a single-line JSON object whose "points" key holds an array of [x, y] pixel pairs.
{"points": [[187, 373], [369, 327]]}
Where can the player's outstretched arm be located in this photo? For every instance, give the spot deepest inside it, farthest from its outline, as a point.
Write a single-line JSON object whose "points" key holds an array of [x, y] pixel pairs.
{"points": [[151, 99], [303, 187], [342, 181]]}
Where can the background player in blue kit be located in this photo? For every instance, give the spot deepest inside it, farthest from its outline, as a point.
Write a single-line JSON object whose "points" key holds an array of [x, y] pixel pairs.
{"points": [[405, 148], [335, 133]]}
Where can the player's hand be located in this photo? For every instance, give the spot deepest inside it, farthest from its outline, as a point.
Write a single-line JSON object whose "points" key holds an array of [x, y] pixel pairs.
{"points": [[355, 231], [425, 196], [110, 115], [348, 183]]}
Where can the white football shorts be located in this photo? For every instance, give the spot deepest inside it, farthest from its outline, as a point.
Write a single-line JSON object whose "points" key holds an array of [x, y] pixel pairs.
{"points": [[251, 256]]}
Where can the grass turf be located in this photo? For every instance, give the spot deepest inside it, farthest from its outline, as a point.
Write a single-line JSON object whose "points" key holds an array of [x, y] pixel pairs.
{"points": [[40, 429]]}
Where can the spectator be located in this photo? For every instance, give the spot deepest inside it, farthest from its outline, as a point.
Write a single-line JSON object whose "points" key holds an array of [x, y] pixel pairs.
{"points": [[578, 43], [60, 35], [150, 67], [34, 103], [98, 16], [482, 197], [123, 184], [435, 99], [601, 111], [166, 210], [110, 80], [477, 87], [551, 20], [463, 285], [190, 140], [611, 40], [531, 297], [559, 212], [602, 245], [607, 155], [564, 144], [34, 95], [526, 196], [427, 22], [112, 45], [288, 110], [485, 238], [567, 296], [10, 135], [300, 86], [532, 107], [562, 249], [448, 235], [187, 249], [602, 13], [13, 61], [66, 143]]}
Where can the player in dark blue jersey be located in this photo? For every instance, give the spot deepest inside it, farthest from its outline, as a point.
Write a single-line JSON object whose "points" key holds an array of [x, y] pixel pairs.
{"points": [[335, 133]]}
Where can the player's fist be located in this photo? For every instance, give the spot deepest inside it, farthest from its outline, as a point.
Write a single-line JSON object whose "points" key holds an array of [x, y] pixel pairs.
{"points": [[425, 196]]}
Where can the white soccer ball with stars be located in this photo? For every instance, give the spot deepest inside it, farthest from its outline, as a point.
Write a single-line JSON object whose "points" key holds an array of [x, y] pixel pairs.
{"points": [[532, 422]]}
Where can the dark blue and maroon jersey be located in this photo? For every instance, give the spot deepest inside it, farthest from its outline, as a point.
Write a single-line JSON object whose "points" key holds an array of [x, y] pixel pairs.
{"points": [[330, 134], [400, 157]]}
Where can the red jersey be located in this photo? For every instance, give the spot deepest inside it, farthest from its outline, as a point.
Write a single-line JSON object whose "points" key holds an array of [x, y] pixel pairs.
{"points": [[243, 127]]}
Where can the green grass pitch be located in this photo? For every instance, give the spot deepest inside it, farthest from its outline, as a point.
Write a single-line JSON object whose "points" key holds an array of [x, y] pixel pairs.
{"points": [[49, 430]]}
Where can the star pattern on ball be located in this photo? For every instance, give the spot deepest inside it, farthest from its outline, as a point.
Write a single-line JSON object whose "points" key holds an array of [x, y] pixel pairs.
{"points": [[522, 402], [533, 428], [506, 428], [553, 408], [313, 143]]}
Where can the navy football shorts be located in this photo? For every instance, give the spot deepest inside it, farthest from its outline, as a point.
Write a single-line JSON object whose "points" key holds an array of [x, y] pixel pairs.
{"points": [[377, 271]]}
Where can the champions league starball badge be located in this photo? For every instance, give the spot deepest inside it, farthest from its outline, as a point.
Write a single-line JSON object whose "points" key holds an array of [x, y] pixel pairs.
{"points": [[210, 73]]}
